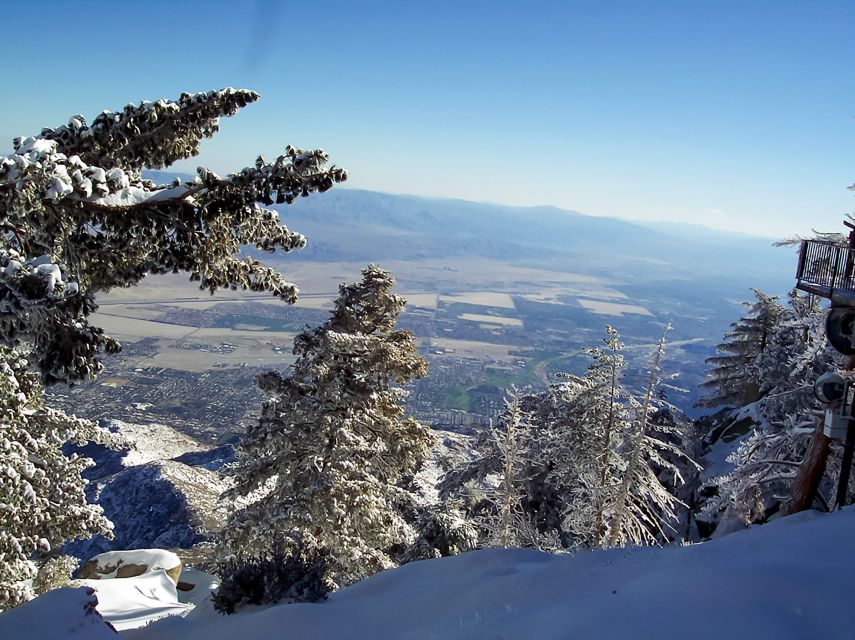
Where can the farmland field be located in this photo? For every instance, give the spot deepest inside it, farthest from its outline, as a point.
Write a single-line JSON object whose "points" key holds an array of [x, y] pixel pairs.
{"points": [[613, 308], [191, 358]]}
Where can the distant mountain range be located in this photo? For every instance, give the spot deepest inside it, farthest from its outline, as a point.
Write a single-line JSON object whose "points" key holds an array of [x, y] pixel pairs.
{"points": [[701, 232], [351, 225]]}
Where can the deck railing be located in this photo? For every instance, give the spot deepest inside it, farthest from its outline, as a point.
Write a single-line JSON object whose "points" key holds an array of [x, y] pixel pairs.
{"points": [[827, 269]]}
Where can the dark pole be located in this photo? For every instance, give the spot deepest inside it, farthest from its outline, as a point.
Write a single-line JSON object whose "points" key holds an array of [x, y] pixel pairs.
{"points": [[849, 444], [846, 462]]}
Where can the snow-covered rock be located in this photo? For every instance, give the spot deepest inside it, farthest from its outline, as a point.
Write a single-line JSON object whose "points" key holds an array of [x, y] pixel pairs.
{"points": [[211, 459], [130, 564], [163, 504], [451, 450], [164, 492]]}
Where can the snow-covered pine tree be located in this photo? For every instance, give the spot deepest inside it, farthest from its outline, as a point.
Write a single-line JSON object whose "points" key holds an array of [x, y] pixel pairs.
{"points": [[594, 460], [42, 501], [442, 530], [768, 457], [505, 490], [731, 379], [333, 450], [77, 219], [586, 430], [513, 497], [643, 506], [616, 466]]}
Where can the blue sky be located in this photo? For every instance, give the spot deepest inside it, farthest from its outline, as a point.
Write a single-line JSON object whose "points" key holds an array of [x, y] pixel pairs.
{"points": [[736, 115]]}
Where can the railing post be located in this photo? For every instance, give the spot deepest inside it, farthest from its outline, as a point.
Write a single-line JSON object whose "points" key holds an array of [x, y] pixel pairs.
{"points": [[835, 255], [802, 254]]}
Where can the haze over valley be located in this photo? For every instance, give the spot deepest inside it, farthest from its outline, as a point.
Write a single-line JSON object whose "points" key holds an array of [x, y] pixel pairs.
{"points": [[496, 296]]}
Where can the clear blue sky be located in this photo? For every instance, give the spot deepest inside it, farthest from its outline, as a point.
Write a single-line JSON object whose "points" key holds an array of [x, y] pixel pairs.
{"points": [[733, 114]]}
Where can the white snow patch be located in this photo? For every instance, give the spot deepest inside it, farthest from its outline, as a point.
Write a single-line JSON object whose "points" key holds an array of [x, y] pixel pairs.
{"points": [[199, 597], [129, 603], [63, 614], [154, 442], [715, 461], [752, 411], [38, 146], [126, 197], [788, 579], [131, 196]]}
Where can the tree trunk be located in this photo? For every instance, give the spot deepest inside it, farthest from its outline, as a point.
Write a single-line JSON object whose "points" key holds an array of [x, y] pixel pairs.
{"points": [[598, 532], [806, 483]]}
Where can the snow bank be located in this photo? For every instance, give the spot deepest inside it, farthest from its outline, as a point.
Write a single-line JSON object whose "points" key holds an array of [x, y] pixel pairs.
{"points": [[128, 603], [789, 579], [63, 614]]}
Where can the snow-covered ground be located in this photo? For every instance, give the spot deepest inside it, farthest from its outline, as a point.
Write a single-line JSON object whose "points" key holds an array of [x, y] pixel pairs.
{"points": [[129, 603], [789, 579]]}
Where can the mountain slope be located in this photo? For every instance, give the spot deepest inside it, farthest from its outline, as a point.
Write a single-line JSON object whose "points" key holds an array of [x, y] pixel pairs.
{"points": [[164, 492]]}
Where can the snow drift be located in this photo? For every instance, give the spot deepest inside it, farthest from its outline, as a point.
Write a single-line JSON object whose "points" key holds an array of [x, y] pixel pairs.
{"points": [[788, 579]]}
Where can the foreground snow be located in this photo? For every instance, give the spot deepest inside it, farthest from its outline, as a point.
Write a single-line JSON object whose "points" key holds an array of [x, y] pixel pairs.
{"points": [[129, 603], [789, 579], [64, 614]]}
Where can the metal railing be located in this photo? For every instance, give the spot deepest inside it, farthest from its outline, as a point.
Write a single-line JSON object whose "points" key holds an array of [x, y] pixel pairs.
{"points": [[826, 269]]}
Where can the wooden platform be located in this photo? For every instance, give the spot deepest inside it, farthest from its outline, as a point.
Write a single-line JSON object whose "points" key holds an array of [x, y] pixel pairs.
{"points": [[827, 270]]}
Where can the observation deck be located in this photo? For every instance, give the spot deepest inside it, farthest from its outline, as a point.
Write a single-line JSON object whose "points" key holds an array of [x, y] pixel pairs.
{"points": [[827, 269]]}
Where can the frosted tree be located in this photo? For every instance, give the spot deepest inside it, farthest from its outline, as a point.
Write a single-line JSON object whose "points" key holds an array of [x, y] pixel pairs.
{"points": [[616, 461], [597, 467], [333, 451], [644, 506], [588, 424], [507, 516], [78, 219], [42, 501], [505, 490], [732, 377], [511, 449], [442, 530], [783, 419]]}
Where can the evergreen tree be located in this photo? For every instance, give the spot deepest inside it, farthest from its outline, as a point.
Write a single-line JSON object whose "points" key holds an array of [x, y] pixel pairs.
{"points": [[333, 450], [78, 219], [732, 377], [42, 501], [644, 505], [596, 466], [783, 419], [506, 490], [442, 530], [586, 437]]}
